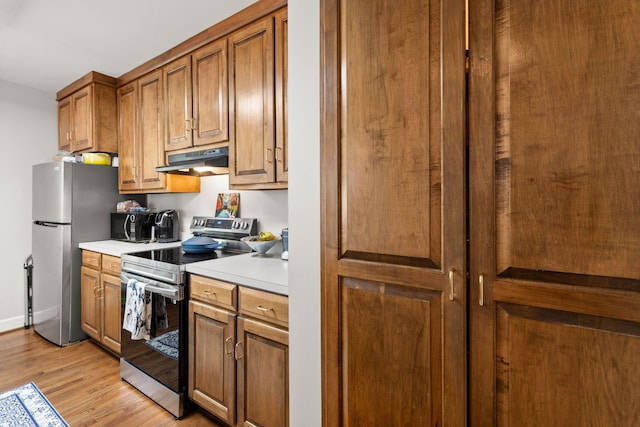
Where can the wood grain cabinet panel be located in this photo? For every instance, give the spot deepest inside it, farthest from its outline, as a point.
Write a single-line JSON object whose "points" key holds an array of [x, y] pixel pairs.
{"points": [[238, 365], [91, 311], [101, 299], [554, 230], [141, 139], [197, 98], [393, 213], [212, 367], [263, 374], [257, 104], [87, 115], [112, 311]]}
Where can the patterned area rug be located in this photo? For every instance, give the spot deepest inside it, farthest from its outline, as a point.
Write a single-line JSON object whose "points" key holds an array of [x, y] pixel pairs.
{"points": [[27, 406], [166, 344]]}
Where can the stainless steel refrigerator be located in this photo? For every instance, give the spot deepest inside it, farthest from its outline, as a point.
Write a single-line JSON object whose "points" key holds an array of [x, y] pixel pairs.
{"points": [[72, 203]]}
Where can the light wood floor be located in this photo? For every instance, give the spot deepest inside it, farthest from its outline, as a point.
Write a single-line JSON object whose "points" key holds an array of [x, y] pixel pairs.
{"points": [[82, 381]]}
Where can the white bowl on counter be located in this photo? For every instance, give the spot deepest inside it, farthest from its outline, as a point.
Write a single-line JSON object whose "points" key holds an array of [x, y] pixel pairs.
{"points": [[259, 246]]}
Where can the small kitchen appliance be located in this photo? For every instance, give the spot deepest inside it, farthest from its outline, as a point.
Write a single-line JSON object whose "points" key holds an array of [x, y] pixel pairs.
{"points": [[132, 226], [157, 366], [167, 226]]}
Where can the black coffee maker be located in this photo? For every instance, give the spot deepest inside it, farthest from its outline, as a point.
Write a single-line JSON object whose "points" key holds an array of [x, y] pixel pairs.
{"points": [[167, 226]]}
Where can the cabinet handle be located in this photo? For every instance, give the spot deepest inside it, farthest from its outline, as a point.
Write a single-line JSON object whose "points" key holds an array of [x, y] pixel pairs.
{"points": [[208, 293], [238, 351], [278, 159], [98, 293], [481, 289], [451, 284], [268, 155], [226, 345], [194, 123], [264, 309], [187, 125]]}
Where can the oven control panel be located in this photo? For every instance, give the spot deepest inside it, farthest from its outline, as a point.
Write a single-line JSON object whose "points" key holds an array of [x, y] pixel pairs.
{"points": [[230, 228]]}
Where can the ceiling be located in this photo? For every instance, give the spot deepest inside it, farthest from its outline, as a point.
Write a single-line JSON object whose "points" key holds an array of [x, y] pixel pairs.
{"points": [[47, 44]]}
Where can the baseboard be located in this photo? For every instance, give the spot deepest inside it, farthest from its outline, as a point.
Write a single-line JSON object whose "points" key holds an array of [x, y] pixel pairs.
{"points": [[12, 323]]}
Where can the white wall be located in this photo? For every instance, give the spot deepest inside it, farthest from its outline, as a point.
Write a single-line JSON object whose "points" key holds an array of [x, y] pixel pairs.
{"points": [[269, 207], [304, 213], [28, 125]]}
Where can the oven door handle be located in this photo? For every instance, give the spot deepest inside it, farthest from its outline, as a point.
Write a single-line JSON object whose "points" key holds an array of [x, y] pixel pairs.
{"points": [[169, 291]]}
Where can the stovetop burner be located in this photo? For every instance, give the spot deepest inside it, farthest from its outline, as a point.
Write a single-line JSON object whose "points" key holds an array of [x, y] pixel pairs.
{"points": [[176, 256]]}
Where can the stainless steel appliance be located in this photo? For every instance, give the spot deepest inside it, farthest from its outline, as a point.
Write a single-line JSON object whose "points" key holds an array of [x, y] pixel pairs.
{"points": [[157, 366], [132, 226], [167, 226], [71, 204]]}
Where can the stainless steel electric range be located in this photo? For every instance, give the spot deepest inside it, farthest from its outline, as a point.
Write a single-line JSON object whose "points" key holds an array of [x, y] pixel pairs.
{"points": [[157, 365]]}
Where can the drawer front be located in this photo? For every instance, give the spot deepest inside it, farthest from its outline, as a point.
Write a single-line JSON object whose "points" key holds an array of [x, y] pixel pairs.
{"points": [[111, 264], [214, 292], [264, 305], [91, 259]]}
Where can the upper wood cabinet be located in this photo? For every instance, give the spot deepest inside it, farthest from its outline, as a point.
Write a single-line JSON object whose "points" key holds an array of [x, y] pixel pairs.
{"points": [[257, 104], [87, 115], [141, 132], [197, 98]]}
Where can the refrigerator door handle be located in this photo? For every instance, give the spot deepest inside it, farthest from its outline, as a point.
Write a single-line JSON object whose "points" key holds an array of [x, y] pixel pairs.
{"points": [[46, 224]]}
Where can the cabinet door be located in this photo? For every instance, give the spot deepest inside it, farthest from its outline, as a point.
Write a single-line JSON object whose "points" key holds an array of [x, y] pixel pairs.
{"points": [[64, 125], [150, 131], [127, 138], [393, 213], [212, 367], [251, 104], [91, 307], [82, 119], [263, 374], [555, 229], [210, 94], [111, 312], [282, 136], [177, 95]]}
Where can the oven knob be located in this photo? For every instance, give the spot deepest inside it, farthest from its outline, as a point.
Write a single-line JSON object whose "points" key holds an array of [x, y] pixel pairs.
{"points": [[245, 225]]}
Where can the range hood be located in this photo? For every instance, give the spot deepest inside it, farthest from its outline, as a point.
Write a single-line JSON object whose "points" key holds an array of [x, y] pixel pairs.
{"points": [[213, 161]]}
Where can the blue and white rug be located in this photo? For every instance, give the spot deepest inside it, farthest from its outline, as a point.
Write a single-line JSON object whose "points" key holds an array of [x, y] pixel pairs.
{"points": [[27, 406], [166, 344]]}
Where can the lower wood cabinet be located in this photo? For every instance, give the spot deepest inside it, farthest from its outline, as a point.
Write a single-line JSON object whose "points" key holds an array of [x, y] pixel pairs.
{"points": [[101, 298], [238, 353]]}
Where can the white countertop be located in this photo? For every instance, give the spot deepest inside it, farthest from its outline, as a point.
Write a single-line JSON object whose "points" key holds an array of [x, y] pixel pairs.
{"points": [[117, 247], [267, 273], [270, 274]]}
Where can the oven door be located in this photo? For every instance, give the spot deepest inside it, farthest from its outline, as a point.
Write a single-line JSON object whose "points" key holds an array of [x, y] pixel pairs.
{"points": [[163, 355]]}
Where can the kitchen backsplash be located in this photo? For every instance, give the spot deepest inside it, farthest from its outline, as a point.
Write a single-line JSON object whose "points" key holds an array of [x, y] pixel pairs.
{"points": [[269, 207]]}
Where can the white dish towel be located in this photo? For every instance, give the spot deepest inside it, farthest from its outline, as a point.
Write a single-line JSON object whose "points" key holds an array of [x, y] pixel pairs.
{"points": [[137, 311]]}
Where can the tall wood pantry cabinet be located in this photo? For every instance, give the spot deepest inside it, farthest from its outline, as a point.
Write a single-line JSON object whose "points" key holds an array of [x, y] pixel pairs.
{"points": [[481, 230]]}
